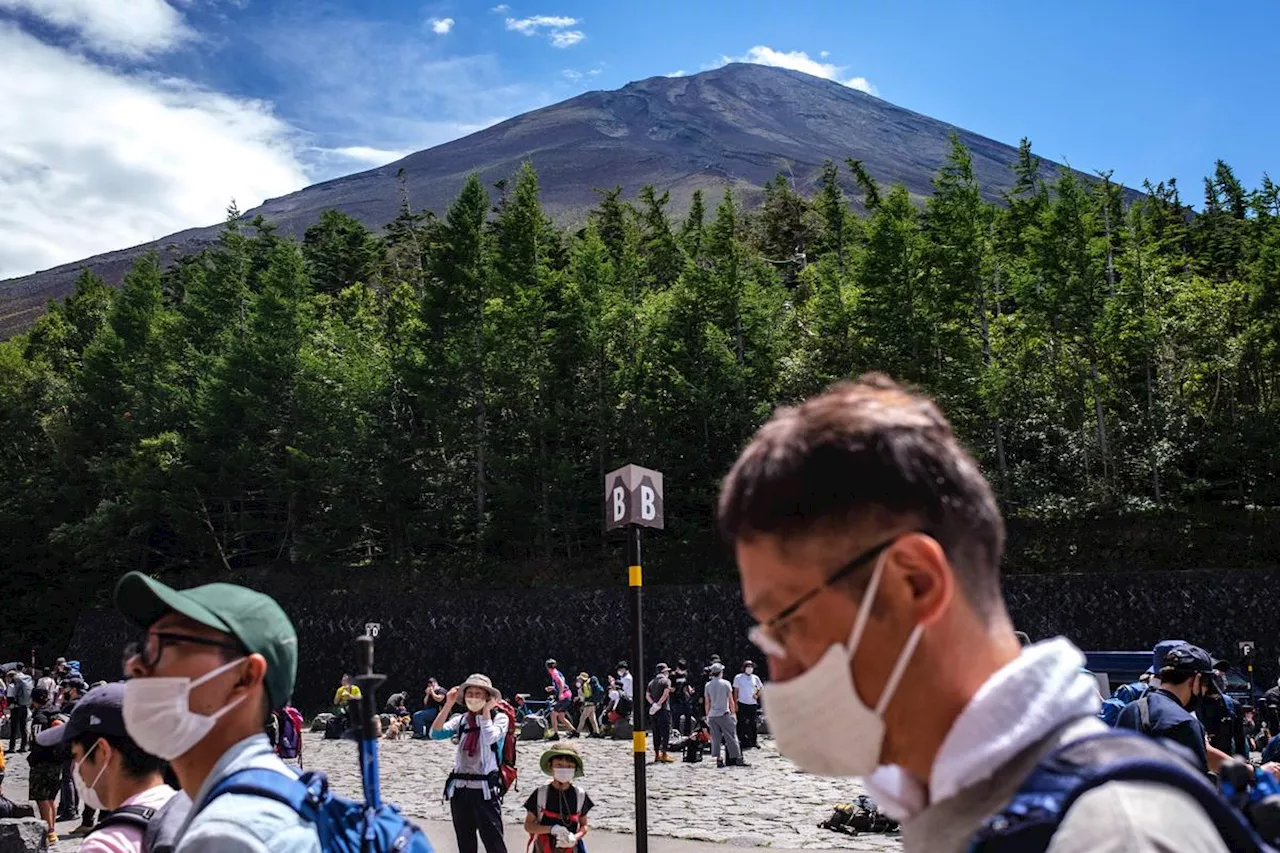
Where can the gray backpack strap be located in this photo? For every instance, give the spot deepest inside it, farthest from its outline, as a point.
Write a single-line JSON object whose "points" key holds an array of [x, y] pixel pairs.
{"points": [[163, 828], [543, 793], [1144, 715]]}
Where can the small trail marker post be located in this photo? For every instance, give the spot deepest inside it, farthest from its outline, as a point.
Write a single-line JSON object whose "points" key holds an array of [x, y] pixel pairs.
{"points": [[633, 500]]}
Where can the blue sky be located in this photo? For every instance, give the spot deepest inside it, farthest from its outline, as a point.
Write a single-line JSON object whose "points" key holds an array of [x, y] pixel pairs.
{"points": [[128, 119]]}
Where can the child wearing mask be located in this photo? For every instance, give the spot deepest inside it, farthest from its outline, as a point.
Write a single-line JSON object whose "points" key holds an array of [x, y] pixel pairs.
{"points": [[474, 788], [556, 813]]}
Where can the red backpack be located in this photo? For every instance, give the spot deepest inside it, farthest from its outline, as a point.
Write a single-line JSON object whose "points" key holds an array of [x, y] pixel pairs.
{"points": [[289, 743], [507, 749]]}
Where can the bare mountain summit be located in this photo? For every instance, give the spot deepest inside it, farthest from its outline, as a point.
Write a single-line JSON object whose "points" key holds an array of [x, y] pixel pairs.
{"points": [[737, 126]]}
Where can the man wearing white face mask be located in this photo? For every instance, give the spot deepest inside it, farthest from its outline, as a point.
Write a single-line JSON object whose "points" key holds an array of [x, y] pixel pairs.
{"points": [[113, 774], [869, 545], [213, 662]]}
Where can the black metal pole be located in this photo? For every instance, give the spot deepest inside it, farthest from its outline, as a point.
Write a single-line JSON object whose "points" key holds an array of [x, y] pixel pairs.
{"points": [[641, 709]]}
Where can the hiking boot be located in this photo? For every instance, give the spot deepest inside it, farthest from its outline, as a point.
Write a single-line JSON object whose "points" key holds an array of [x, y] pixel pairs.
{"points": [[52, 837], [80, 831], [666, 758], [554, 737], [720, 763]]}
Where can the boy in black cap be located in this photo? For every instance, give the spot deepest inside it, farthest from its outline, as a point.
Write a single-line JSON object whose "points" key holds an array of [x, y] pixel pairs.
{"points": [[1167, 712], [213, 663], [111, 771]]}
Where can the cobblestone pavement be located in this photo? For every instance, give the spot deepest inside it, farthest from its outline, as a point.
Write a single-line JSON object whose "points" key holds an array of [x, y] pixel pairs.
{"points": [[769, 804]]}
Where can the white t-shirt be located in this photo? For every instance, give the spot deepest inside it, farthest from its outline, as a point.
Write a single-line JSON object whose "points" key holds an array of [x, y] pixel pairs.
{"points": [[48, 684], [746, 686], [615, 696], [125, 837], [627, 684]]}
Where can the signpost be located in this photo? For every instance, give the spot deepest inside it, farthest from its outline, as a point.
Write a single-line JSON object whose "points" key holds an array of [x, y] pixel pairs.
{"points": [[1247, 649], [633, 499], [372, 629]]}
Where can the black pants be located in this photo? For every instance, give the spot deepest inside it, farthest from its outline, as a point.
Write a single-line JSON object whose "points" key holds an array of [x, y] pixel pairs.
{"points": [[88, 817], [472, 814], [662, 731], [69, 802], [747, 734], [682, 717], [18, 725]]}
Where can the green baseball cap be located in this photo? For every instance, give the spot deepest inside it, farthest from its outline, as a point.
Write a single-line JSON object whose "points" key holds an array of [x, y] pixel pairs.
{"points": [[253, 618]]}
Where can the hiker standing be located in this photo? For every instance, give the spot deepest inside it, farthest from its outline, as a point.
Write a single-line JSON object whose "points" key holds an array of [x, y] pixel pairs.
{"points": [[214, 659], [556, 813], [589, 691], [658, 695], [474, 787], [721, 707], [561, 701], [747, 686], [19, 708], [113, 773]]}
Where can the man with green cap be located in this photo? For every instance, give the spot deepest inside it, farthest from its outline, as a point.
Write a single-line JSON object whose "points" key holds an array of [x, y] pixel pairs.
{"points": [[212, 664]]}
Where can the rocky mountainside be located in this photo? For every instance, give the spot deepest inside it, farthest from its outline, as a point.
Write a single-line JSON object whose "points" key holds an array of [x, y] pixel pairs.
{"points": [[737, 126]]}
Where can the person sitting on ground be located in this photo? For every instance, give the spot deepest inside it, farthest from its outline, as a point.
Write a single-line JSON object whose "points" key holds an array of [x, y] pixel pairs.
{"points": [[113, 773], [214, 661], [345, 693], [45, 762], [556, 813], [432, 700], [474, 788], [397, 705], [561, 701]]}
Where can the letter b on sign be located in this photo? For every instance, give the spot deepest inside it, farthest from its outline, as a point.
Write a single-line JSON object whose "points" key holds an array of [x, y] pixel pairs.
{"points": [[619, 504], [648, 511]]}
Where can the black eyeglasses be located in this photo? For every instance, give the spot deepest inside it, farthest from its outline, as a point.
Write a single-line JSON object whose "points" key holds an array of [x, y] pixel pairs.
{"points": [[763, 635], [153, 644]]}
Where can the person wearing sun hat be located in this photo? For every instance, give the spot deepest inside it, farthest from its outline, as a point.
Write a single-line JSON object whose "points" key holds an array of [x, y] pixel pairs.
{"points": [[212, 663], [474, 788], [556, 813]]}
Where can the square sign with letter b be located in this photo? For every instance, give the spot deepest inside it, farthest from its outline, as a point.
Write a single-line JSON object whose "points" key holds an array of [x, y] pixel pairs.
{"points": [[633, 495]]}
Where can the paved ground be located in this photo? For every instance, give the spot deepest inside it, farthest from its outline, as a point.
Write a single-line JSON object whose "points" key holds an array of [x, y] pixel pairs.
{"points": [[693, 808]]}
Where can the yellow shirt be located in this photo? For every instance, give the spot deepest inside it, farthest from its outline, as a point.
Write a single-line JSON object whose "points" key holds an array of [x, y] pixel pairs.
{"points": [[346, 694]]}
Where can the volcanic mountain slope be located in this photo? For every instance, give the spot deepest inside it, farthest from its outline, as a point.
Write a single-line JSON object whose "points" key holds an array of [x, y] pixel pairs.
{"points": [[738, 126]]}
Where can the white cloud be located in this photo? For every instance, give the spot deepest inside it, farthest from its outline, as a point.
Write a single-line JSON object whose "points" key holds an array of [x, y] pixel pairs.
{"points": [[441, 26], [93, 160], [824, 54], [571, 75], [567, 38], [680, 73], [554, 27], [798, 60], [368, 156], [501, 9], [126, 28]]}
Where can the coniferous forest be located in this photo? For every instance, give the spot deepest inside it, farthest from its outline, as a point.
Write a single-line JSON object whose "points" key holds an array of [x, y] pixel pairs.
{"points": [[441, 400]]}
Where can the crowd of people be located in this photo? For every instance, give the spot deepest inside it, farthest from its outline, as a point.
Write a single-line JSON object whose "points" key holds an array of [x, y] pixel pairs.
{"points": [[868, 545]]}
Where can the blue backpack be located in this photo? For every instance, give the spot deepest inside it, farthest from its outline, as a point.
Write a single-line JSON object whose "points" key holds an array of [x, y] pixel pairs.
{"points": [[1027, 823], [1110, 711], [344, 826]]}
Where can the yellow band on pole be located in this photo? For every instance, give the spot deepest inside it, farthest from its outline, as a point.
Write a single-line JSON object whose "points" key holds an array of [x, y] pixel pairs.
{"points": [[638, 743], [636, 576]]}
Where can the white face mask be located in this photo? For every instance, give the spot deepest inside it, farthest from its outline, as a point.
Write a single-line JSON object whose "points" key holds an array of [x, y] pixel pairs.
{"points": [[475, 705], [158, 715], [749, 670], [563, 774], [839, 736], [87, 794]]}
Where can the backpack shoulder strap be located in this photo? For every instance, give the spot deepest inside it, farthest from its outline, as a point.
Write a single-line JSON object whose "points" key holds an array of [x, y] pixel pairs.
{"points": [[1027, 823], [303, 794], [543, 792], [1144, 714], [139, 816]]}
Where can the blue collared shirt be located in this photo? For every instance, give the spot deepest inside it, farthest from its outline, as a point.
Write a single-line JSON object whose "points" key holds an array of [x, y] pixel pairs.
{"points": [[239, 823]]}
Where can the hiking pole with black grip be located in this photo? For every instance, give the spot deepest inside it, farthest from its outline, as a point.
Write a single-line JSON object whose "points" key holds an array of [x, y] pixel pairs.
{"points": [[368, 681]]}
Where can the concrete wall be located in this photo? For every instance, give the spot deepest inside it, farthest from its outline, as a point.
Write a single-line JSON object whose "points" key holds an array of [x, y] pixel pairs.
{"points": [[508, 633]]}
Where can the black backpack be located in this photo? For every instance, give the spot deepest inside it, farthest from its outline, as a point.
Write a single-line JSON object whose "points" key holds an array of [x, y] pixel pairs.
{"points": [[159, 826], [861, 815], [625, 706]]}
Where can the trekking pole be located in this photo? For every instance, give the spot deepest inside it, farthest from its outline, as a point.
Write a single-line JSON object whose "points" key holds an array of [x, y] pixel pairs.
{"points": [[368, 681]]}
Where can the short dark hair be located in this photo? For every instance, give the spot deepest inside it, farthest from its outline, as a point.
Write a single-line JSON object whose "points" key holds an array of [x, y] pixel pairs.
{"points": [[137, 763], [1168, 675], [869, 447], [40, 695]]}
